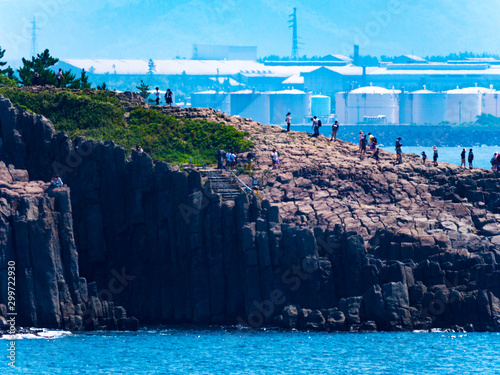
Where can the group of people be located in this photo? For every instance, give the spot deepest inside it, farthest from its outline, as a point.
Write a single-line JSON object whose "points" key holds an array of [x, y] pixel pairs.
{"points": [[229, 157], [370, 141], [434, 156], [56, 181], [316, 124], [168, 96], [495, 162]]}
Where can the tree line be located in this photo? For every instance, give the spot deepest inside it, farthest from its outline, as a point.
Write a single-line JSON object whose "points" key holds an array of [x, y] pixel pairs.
{"points": [[42, 64]]}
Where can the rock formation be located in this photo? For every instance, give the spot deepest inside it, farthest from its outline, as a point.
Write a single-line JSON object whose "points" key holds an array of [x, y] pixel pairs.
{"points": [[330, 242]]}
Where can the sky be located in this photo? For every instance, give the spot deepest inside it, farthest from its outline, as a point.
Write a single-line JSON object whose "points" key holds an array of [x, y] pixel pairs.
{"points": [[164, 29]]}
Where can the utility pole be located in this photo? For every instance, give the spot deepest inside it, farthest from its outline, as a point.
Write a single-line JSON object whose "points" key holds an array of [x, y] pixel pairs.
{"points": [[34, 46], [295, 39]]}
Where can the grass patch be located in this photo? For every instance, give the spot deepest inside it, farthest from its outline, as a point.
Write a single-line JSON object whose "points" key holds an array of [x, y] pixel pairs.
{"points": [[97, 115]]}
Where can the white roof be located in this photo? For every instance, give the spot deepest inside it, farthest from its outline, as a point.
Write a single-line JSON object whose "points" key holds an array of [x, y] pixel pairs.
{"points": [[423, 91], [374, 90], [168, 67], [349, 69], [451, 71], [320, 96], [470, 90], [293, 91], [295, 79]]}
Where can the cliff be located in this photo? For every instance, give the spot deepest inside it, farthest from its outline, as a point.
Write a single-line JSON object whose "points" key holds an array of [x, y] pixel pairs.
{"points": [[331, 241]]}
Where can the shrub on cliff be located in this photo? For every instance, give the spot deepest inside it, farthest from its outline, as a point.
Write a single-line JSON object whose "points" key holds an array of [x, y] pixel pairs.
{"points": [[98, 115]]}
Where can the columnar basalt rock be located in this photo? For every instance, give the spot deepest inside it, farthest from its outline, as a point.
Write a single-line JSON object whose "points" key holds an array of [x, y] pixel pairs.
{"points": [[332, 242], [36, 235]]}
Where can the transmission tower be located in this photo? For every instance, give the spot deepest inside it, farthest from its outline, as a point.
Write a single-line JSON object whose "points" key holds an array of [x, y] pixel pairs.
{"points": [[34, 46], [295, 38]]}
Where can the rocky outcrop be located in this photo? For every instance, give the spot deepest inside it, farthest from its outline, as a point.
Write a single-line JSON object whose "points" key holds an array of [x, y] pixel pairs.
{"points": [[330, 242], [36, 234]]}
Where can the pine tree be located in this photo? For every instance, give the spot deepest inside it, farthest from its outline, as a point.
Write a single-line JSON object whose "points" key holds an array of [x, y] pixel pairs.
{"points": [[42, 63], [9, 72], [102, 87], [84, 80], [143, 89], [151, 67]]}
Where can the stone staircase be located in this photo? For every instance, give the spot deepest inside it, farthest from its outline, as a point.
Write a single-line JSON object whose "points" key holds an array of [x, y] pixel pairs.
{"points": [[221, 182]]}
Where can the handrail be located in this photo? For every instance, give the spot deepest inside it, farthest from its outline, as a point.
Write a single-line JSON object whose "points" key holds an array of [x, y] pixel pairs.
{"points": [[238, 181]]}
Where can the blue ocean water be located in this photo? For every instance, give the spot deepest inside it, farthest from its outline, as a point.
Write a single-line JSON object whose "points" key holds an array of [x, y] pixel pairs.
{"points": [[235, 351]]}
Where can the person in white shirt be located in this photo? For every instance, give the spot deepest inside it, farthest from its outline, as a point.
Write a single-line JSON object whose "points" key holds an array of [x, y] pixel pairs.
{"points": [[157, 93], [59, 77], [288, 121], [315, 126]]}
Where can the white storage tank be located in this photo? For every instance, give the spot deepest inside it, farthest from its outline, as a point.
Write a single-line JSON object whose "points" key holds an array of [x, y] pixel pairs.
{"points": [[212, 99], [321, 105], [341, 107], [429, 107], [366, 103], [490, 103], [251, 104], [295, 101], [464, 105], [405, 108]]}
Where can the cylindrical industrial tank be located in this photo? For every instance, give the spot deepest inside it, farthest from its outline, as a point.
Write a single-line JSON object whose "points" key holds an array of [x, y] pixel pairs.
{"points": [[405, 108], [297, 102], [372, 103], [489, 102], [429, 107], [251, 104], [464, 105], [321, 105], [341, 107], [212, 99]]}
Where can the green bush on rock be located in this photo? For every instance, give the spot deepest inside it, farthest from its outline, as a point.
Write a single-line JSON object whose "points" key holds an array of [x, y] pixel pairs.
{"points": [[98, 115]]}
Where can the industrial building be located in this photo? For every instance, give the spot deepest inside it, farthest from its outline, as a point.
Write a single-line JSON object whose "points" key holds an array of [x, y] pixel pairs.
{"points": [[372, 104], [265, 107]]}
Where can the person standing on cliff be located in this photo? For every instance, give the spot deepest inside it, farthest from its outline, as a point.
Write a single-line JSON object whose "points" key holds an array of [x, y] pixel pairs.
{"points": [[315, 126], [36, 78], [335, 129], [168, 97], [59, 77], [157, 93], [424, 157], [493, 162], [363, 145], [435, 156], [471, 158], [399, 152], [463, 158], [360, 138], [288, 121]]}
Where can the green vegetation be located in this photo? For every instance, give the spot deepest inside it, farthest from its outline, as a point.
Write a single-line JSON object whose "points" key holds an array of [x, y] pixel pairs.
{"points": [[97, 115], [487, 120]]}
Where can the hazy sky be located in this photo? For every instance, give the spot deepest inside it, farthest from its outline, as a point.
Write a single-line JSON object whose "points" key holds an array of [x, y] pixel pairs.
{"points": [[162, 29]]}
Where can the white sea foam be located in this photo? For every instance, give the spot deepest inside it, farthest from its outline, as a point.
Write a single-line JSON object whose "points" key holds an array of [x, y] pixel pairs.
{"points": [[37, 333]]}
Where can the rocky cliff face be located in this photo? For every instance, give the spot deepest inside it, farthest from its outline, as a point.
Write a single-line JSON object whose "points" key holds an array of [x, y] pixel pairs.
{"points": [[330, 242], [36, 233]]}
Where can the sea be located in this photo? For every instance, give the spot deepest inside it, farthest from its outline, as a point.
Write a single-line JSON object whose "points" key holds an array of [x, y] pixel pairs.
{"points": [[236, 350]]}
